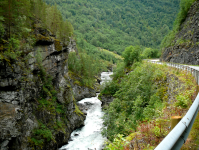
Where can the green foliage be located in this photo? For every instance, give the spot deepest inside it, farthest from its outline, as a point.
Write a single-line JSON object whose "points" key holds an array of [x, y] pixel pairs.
{"points": [[118, 143], [150, 53], [85, 67], [18, 20], [119, 71], [74, 63], [2, 30], [77, 111], [110, 88], [184, 8], [55, 23], [13, 44], [97, 53], [60, 109], [12, 49], [158, 132], [135, 99], [41, 135], [182, 101], [113, 25], [131, 55], [38, 142]]}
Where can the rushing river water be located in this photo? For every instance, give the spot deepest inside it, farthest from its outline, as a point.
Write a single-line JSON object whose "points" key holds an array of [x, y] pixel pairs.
{"points": [[89, 136]]}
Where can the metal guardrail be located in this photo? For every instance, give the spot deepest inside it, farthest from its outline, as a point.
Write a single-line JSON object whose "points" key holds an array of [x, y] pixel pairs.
{"points": [[177, 137]]}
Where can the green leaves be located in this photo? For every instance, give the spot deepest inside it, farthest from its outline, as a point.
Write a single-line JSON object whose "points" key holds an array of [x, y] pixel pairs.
{"points": [[118, 143], [1, 18], [85, 67], [131, 55], [41, 134], [135, 99], [184, 8]]}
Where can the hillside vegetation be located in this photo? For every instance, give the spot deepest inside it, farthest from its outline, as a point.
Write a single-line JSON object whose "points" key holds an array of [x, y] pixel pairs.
{"points": [[145, 96], [19, 21], [184, 8], [19, 33], [116, 24]]}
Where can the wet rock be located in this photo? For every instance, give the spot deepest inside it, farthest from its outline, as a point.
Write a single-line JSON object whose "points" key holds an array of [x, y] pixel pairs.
{"points": [[4, 145], [76, 134], [106, 100], [88, 103]]}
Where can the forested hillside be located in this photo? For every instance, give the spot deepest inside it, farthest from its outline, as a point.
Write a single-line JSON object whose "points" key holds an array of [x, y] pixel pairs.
{"points": [[42, 75], [18, 21], [116, 24]]}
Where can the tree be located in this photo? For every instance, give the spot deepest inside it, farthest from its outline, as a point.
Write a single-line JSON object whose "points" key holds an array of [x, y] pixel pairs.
{"points": [[131, 55]]}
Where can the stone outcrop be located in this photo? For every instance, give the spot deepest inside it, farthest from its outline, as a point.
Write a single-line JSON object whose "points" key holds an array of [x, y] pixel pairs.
{"points": [[106, 100], [37, 97], [185, 49]]}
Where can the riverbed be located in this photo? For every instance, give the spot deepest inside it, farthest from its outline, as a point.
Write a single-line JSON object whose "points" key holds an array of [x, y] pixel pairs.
{"points": [[89, 136]]}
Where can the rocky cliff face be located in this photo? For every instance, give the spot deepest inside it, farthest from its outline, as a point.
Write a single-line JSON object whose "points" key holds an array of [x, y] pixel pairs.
{"points": [[38, 97], [185, 47], [106, 100]]}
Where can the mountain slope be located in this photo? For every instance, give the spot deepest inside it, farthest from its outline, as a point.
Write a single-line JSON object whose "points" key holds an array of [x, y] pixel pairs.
{"points": [[183, 48], [116, 24]]}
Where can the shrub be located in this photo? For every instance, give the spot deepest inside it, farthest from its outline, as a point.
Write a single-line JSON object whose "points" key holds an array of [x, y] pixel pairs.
{"points": [[182, 101], [118, 143]]}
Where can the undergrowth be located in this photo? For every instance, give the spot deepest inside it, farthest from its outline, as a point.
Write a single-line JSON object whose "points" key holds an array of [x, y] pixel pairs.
{"points": [[139, 116]]}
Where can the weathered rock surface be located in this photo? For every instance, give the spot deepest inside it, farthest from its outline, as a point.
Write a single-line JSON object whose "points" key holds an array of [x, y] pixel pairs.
{"points": [[185, 47], [22, 109], [106, 100]]}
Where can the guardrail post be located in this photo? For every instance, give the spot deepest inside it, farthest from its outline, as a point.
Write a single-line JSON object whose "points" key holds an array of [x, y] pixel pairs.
{"points": [[175, 120], [197, 89], [197, 78]]}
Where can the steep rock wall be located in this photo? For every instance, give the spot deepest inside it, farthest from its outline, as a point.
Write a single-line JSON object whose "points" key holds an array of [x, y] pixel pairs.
{"points": [[185, 47], [28, 120]]}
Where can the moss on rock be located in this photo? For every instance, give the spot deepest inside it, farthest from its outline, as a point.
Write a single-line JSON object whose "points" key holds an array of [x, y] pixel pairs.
{"points": [[58, 45]]}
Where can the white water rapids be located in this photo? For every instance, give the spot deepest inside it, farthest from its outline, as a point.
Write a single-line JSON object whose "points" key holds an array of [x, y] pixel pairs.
{"points": [[89, 136]]}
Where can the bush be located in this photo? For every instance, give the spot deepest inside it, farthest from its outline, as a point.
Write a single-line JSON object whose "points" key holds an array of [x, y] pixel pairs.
{"points": [[118, 143], [182, 101]]}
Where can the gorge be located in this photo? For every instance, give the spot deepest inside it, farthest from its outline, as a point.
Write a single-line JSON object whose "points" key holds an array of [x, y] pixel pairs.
{"points": [[49, 73], [37, 100], [89, 136]]}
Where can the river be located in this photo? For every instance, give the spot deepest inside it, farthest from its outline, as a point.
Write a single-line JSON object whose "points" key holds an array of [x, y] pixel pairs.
{"points": [[89, 136]]}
